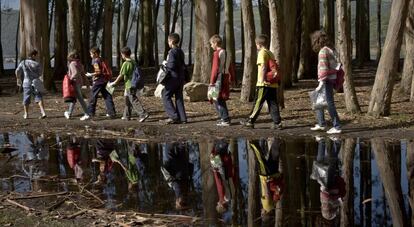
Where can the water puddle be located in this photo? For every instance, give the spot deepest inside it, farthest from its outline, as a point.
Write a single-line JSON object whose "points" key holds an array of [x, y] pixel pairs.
{"points": [[307, 182]]}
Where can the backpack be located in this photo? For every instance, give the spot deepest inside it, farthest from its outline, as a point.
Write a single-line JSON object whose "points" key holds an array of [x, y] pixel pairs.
{"points": [[340, 79], [106, 71], [137, 81], [272, 76]]}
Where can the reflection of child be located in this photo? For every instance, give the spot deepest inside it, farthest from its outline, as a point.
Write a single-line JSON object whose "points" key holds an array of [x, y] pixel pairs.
{"points": [[103, 150], [130, 167], [73, 156]]}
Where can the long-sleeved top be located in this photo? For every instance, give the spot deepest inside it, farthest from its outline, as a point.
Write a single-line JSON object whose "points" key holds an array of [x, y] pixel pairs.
{"points": [[175, 63], [29, 70], [76, 72], [328, 65]]}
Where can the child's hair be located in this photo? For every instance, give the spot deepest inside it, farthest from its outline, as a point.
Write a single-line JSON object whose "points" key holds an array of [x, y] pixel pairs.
{"points": [[126, 51], [73, 55], [216, 39], [175, 38], [320, 39], [262, 40], [95, 50], [33, 53]]}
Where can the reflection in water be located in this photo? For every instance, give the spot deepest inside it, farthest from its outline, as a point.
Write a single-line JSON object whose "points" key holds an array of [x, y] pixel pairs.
{"points": [[266, 182]]}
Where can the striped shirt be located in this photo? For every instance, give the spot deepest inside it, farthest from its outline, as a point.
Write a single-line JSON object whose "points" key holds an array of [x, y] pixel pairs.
{"points": [[327, 64]]}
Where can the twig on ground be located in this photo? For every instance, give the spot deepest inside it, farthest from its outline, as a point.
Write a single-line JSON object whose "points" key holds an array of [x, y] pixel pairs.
{"points": [[57, 204], [19, 205], [77, 213], [39, 196]]}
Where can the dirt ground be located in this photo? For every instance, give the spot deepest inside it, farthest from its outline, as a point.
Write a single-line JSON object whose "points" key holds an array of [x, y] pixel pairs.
{"points": [[297, 116]]}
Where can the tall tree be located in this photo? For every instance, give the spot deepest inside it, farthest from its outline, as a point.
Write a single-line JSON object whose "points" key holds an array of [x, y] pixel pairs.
{"points": [[362, 27], [345, 50], [219, 3], [310, 23], [86, 31], [175, 16], [229, 31], [190, 42], [167, 16], [125, 11], [118, 9], [34, 34], [250, 55], [379, 30], [205, 27], [408, 70], [155, 27], [75, 31], [147, 55], [61, 40], [264, 17], [380, 103], [329, 18], [391, 180], [290, 14], [107, 32]]}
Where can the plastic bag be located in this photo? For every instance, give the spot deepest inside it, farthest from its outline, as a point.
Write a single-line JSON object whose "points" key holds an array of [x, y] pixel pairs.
{"points": [[162, 75], [212, 93], [110, 88], [320, 173], [318, 98]]}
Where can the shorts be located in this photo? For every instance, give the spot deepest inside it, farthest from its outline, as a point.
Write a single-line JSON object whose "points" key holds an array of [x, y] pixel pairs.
{"points": [[28, 92]]}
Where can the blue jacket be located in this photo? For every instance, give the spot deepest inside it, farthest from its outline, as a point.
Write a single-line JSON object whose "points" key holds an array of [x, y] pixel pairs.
{"points": [[175, 63]]}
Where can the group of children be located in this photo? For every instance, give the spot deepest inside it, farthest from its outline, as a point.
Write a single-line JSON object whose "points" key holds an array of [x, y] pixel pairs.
{"points": [[221, 75]]}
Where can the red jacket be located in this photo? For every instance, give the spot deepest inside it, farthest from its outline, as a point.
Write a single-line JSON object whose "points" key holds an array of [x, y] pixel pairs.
{"points": [[225, 88]]}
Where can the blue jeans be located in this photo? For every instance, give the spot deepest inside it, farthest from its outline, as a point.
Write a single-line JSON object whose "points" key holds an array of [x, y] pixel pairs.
{"points": [[79, 97], [320, 115], [222, 110], [174, 111], [96, 89]]}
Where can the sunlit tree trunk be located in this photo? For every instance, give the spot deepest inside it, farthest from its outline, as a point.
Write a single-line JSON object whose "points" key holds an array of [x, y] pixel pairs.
{"points": [[250, 54], [380, 103], [61, 37], [362, 27], [408, 70], [190, 43]]}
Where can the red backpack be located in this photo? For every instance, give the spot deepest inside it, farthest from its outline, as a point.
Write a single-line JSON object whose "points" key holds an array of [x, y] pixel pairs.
{"points": [[106, 70], [272, 76]]}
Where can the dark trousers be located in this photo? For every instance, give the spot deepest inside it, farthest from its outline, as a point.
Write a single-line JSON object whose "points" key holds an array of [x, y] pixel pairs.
{"points": [[269, 95], [132, 103], [177, 111], [96, 89], [222, 110]]}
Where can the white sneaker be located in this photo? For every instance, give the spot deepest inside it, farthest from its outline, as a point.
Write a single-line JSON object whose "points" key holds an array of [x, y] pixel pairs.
{"points": [[334, 131], [223, 124], [67, 115], [25, 116], [318, 128], [85, 117]]}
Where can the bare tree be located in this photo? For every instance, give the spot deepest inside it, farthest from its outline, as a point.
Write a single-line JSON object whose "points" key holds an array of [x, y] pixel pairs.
{"points": [[380, 103], [61, 40], [344, 44], [250, 55]]}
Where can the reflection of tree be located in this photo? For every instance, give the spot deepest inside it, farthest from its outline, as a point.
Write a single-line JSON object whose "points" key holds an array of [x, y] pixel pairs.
{"points": [[253, 194], [365, 186], [388, 170], [209, 195], [410, 169], [347, 214], [237, 197]]}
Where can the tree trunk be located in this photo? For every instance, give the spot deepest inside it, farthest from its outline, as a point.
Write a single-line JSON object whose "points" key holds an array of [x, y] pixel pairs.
{"points": [[75, 30], [290, 13], [167, 15], [107, 32], [182, 22], [264, 17], [297, 42], [344, 44], [147, 56], [61, 39], [1, 47], [125, 11], [98, 21], [155, 26], [138, 32], [190, 43], [310, 23], [362, 27], [379, 30], [391, 181], [86, 36], [250, 55], [243, 50], [17, 44], [229, 31], [408, 70], [209, 195], [175, 16], [118, 33], [329, 18], [51, 14], [380, 103], [219, 3], [34, 35], [205, 28], [347, 212], [410, 169], [253, 189]]}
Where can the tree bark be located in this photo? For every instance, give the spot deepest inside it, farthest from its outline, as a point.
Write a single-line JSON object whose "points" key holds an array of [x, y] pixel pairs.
{"points": [[209, 195], [408, 70], [390, 180], [310, 23], [107, 32], [362, 27], [329, 18], [125, 11], [344, 44], [1, 47], [250, 55], [138, 31], [264, 17], [380, 103], [118, 34], [75, 32], [61, 39], [347, 211], [167, 15], [34, 35], [229, 31], [219, 3], [155, 26], [147, 55], [205, 27], [379, 30], [190, 43]]}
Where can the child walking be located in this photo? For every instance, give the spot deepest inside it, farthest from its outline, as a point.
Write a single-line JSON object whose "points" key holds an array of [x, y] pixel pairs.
{"points": [[130, 93], [28, 75], [100, 78], [265, 90], [76, 75], [220, 75]]}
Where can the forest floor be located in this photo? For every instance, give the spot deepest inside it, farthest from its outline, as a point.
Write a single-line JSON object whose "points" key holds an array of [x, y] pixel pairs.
{"points": [[297, 116]]}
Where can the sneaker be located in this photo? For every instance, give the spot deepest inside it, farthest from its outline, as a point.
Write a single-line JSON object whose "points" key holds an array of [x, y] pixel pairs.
{"points": [[277, 126], [125, 118], [334, 131], [43, 116], [85, 117], [247, 124], [223, 123], [25, 116], [317, 128], [67, 115], [170, 121], [143, 117]]}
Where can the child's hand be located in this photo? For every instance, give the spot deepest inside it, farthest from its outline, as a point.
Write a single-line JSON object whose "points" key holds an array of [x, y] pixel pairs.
{"points": [[89, 74]]}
